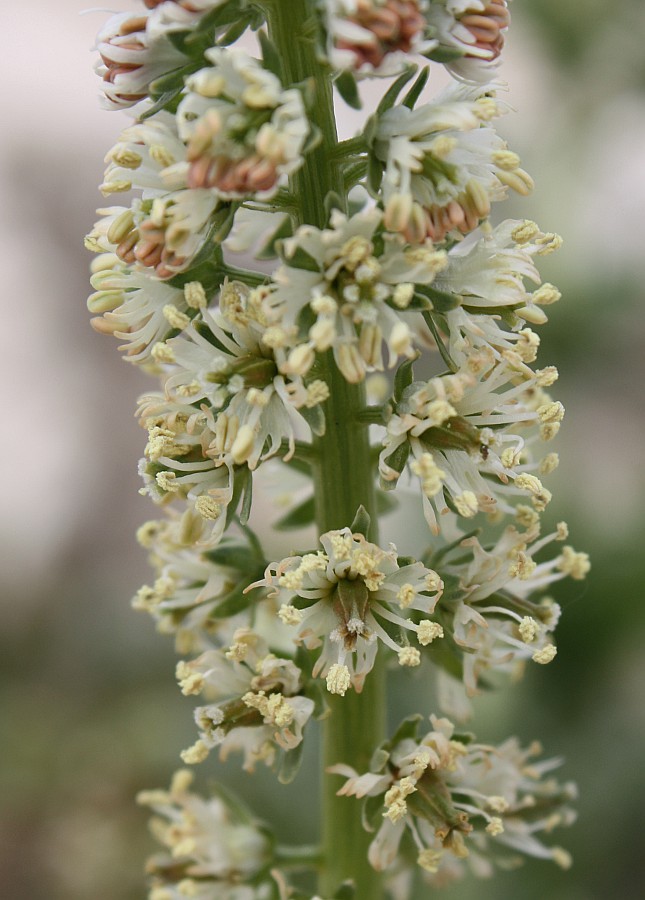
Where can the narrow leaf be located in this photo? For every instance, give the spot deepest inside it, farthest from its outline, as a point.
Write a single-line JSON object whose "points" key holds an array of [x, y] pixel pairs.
{"points": [[362, 521], [403, 378], [270, 55], [415, 91], [348, 89], [303, 514], [389, 98]]}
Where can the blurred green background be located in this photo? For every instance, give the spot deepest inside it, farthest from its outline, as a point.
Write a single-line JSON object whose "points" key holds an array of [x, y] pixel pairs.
{"points": [[89, 709]]}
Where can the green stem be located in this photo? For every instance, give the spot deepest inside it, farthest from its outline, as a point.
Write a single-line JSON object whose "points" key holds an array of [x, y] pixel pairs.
{"points": [[343, 470]]}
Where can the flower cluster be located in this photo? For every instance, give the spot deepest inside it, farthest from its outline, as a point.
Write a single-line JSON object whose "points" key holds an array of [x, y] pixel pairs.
{"points": [[379, 275], [347, 597], [456, 804], [214, 850]]}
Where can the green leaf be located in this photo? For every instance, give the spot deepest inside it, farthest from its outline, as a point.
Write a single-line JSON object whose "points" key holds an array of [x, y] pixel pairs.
{"points": [[389, 98], [403, 378], [372, 812], [379, 760], [443, 55], [442, 301], [441, 347], [398, 458], [170, 82], [362, 521], [333, 201], [415, 91], [161, 103], [348, 89], [374, 174], [233, 555], [269, 249], [407, 730], [270, 56], [369, 131], [301, 515], [241, 475], [300, 259], [290, 764], [312, 140], [247, 500], [385, 503], [233, 603], [347, 891], [235, 31], [315, 419]]}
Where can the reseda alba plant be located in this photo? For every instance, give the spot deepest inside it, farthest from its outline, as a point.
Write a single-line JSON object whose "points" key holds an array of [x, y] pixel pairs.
{"points": [[375, 254]]}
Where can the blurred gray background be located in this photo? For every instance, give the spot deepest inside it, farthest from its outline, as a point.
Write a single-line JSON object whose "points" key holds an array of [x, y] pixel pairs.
{"points": [[89, 710]]}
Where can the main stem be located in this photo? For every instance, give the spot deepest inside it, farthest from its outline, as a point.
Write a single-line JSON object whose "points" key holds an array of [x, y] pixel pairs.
{"points": [[343, 474]]}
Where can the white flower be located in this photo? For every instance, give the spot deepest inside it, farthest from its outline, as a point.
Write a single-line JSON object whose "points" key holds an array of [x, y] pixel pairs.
{"points": [[490, 270], [223, 367], [135, 308], [469, 439], [135, 50], [475, 29], [198, 591], [218, 849], [444, 164], [132, 58], [454, 798], [356, 281], [349, 595], [241, 129], [372, 36], [259, 707]]}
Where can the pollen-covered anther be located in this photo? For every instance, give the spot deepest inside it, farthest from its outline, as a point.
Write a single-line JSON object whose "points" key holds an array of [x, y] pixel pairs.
{"points": [[497, 803], [195, 754], [207, 507], [275, 709], [403, 294], [522, 566], [429, 472], [195, 295], [428, 632], [546, 294], [338, 679], [292, 580], [317, 392], [190, 681], [429, 860], [289, 614], [394, 800], [466, 504], [529, 629], [545, 654], [405, 595], [574, 564], [495, 826], [409, 656]]}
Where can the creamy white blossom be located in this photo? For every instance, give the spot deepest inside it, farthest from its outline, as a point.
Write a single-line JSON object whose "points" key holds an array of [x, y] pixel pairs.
{"points": [[256, 707], [242, 130], [371, 37], [463, 804], [357, 282], [212, 850], [346, 597], [444, 164], [474, 30]]}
